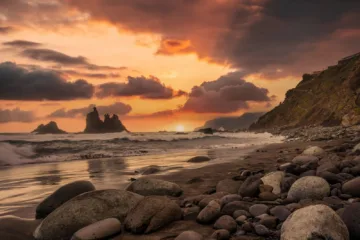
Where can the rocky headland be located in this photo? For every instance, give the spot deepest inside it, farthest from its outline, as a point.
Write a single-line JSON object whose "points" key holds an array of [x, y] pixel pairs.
{"points": [[50, 128], [110, 124]]}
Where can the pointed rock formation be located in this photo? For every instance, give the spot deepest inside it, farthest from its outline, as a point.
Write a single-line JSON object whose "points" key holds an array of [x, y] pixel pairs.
{"points": [[50, 128], [110, 124]]}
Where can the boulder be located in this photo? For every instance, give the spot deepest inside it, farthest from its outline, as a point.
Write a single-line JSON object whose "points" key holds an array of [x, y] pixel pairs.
{"points": [[258, 209], [226, 222], [189, 235], [149, 186], [228, 185], [314, 220], [351, 217], [352, 187], [250, 187], [274, 179], [280, 212], [304, 159], [151, 214], [103, 229], [309, 188], [62, 195], [95, 125], [199, 159], [314, 151], [210, 212], [84, 210]]}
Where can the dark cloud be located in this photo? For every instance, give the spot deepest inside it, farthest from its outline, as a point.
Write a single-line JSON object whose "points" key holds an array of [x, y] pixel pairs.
{"points": [[274, 38], [17, 83], [48, 55], [6, 30], [21, 44], [90, 75], [116, 108], [147, 88], [16, 115], [227, 94]]}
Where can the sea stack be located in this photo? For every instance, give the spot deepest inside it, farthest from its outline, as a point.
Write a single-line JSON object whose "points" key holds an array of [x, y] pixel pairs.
{"points": [[110, 124]]}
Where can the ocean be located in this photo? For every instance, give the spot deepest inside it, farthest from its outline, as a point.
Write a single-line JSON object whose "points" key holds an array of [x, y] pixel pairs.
{"points": [[33, 166]]}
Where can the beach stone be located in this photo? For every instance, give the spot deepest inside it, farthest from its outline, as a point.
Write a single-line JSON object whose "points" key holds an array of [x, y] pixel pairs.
{"points": [[149, 186], [229, 198], [210, 212], [193, 199], [152, 169], [303, 159], [84, 210], [268, 196], [151, 214], [309, 187], [269, 222], [62, 195], [314, 151], [231, 207], [189, 235], [280, 212], [199, 159], [247, 227], [293, 206], [274, 179], [228, 185], [265, 188], [239, 213], [226, 222], [191, 213], [221, 234], [313, 220], [351, 217], [356, 148], [12, 227], [331, 177], [352, 187], [100, 230], [327, 167], [261, 230], [241, 219], [258, 209], [250, 187], [355, 170], [308, 173], [239, 235], [286, 183], [216, 196]]}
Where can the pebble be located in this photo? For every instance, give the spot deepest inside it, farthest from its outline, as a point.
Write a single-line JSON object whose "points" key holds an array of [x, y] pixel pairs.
{"points": [[221, 234], [258, 209], [281, 212], [209, 213], [241, 220], [239, 213], [189, 235], [226, 222], [261, 230]]}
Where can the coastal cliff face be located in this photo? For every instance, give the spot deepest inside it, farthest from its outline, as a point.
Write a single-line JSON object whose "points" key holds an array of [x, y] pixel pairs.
{"points": [[50, 128], [325, 98], [110, 124]]}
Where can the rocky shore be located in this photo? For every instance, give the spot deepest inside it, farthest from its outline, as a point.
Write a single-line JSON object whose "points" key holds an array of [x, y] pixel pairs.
{"points": [[301, 189]]}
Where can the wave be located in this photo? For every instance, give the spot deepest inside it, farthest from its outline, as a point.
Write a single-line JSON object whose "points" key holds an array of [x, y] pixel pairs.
{"points": [[15, 155]]}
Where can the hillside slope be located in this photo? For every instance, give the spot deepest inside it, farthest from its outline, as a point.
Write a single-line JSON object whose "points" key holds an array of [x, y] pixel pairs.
{"points": [[327, 98]]}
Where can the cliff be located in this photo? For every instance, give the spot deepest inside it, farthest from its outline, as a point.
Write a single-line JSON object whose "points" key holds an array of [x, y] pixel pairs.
{"points": [[325, 98], [110, 124], [233, 123], [50, 128]]}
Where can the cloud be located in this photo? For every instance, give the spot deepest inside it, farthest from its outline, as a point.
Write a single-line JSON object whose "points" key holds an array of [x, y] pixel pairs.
{"points": [[17, 83], [16, 115], [115, 108], [159, 114], [89, 75], [229, 93], [258, 36], [52, 56], [21, 44], [6, 30], [147, 88]]}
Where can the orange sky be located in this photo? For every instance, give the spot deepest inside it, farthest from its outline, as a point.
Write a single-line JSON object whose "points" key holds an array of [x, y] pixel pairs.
{"points": [[179, 56]]}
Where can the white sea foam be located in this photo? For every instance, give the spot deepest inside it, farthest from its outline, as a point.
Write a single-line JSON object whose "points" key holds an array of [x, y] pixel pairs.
{"points": [[15, 155]]}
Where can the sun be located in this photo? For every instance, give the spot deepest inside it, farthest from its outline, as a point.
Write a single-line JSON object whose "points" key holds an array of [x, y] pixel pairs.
{"points": [[180, 128]]}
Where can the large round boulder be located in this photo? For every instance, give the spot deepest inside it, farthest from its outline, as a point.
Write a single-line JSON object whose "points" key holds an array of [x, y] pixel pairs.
{"points": [[352, 187], [274, 179], [314, 151], [151, 214], [62, 195], [210, 212], [351, 217], [149, 186], [314, 221], [84, 210], [310, 187]]}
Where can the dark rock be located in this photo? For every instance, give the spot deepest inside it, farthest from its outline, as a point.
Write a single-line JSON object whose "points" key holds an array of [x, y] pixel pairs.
{"points": [[352, 187], [286, 183], [228, 185], [151, 214], [261, 230], [189, 235], [241, 220], [229, 198], [351, 217], [50, 128], [247, 227], [239, 213], [195, 180], [269, 222], [346, 176], [293, 206], [355, 170], [329, 167], [226, 222], [231, 207], [206, 131], [265, 188], [331, 178], [95, 125], [62, 195], [334, 202], [268, 196], [221, 234], [205, 201], [150, 170], [210, 212], [250, 187], [199, 159], [281, 212], [191, 213], [258, 209], [150, 186]]}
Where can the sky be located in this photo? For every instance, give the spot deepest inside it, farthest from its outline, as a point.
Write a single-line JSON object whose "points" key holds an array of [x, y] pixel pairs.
{"points": [[161, 64]]}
